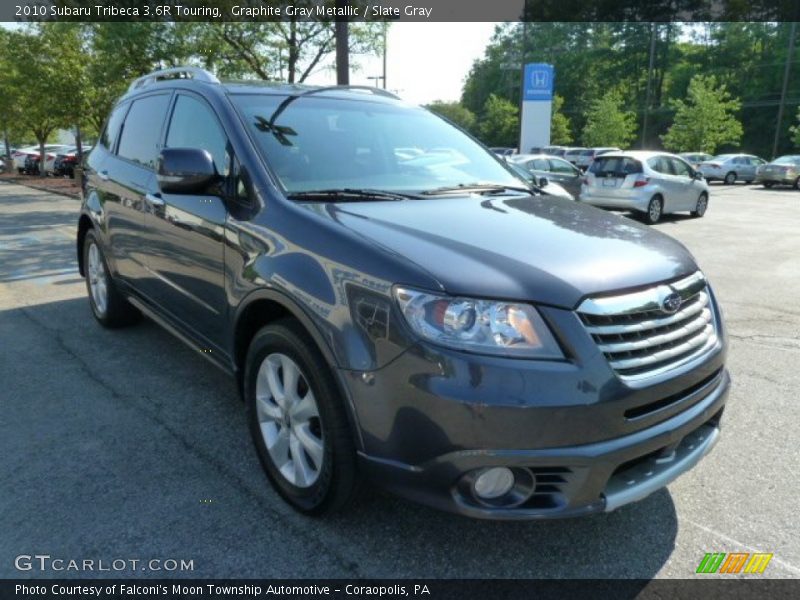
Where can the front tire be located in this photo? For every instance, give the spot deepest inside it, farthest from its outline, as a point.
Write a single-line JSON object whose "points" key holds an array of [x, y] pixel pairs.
{"points": [[109, 306], [730, 178], [701, 206], [797, 183], [767, 185], [654, 210], [298, 421]]}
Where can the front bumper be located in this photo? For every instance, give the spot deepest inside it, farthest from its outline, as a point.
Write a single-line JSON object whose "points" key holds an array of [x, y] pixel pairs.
{"points": [[573, 480], [585, 440]]}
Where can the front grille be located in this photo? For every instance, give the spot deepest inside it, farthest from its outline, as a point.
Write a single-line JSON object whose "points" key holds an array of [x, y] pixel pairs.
{"points": [[641, 338]]}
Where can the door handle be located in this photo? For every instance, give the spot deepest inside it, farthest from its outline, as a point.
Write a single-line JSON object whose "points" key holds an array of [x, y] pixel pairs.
{"points": [[103, 175], [154, 199]]}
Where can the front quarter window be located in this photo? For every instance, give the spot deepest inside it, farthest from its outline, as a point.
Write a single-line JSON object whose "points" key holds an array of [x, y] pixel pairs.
{"points": [[322, 143]]}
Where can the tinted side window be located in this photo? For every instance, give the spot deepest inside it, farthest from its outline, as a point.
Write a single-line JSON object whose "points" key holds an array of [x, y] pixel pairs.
{"points": [[561, 166], [142, 130], [109, 136], [680, 167], [661, 165], [194, 125], [539, 164]]}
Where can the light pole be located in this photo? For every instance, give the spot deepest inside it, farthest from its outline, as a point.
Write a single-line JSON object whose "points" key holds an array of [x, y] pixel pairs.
{"points": [[786, 71], [385, 27], [342, 46]]}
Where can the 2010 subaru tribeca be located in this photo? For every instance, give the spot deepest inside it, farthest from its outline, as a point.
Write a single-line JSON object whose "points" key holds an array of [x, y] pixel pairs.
{"points": [[397, 306]]}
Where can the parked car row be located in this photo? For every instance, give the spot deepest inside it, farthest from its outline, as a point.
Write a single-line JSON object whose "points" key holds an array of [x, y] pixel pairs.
{"points": [[59, 159]]}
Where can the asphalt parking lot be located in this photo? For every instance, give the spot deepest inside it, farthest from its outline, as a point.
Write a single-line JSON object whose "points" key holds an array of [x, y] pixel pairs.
{"points": [[126, 445]]}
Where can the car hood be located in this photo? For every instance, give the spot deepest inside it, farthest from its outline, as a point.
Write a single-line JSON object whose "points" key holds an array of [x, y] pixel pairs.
{"points": [[532, 248]]}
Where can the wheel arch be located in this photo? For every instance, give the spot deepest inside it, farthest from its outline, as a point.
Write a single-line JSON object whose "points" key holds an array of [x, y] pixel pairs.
{"points": [[84, 225], [265, 306]]}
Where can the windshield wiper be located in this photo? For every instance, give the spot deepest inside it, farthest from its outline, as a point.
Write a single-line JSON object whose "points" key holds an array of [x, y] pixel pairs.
{"points": [[476, 188], [350, 195]]}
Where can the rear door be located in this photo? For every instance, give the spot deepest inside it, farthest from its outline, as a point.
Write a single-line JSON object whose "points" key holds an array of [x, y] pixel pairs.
{"points": [[672, 190], [686, 188], [185, 253], [566, 175], [126, 176]]}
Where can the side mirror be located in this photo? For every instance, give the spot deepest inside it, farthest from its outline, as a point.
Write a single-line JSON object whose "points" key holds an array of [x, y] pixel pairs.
{"points": [[542, 182], [697, 175], [186, 171]]}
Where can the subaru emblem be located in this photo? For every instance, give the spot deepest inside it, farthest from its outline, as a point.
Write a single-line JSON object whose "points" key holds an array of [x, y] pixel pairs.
{"points": [[671, 303]]}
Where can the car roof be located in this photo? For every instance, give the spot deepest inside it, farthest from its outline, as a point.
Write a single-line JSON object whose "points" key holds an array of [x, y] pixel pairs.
{"points": [[637, 154], [523, 157]]}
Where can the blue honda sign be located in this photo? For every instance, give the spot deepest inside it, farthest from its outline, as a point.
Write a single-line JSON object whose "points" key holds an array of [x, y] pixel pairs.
{"points": [[538, 82]]}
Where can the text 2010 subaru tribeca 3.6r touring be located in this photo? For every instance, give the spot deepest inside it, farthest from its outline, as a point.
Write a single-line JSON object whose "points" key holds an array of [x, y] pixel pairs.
{"points": [[396, 305]]}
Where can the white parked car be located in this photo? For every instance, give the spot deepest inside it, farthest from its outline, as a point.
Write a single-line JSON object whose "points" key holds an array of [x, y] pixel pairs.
{"points": [[651, 183], [19, 155], [731, 168]]}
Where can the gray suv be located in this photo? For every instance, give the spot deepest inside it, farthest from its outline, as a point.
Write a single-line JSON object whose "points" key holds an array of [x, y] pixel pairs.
{"points": [[396, 305]]}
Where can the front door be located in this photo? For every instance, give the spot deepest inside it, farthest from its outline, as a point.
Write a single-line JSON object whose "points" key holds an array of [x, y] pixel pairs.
{"points": [[185, 255]]}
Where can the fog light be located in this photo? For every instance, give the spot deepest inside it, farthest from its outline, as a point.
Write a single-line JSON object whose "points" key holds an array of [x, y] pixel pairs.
{"points": [[493, 483]]}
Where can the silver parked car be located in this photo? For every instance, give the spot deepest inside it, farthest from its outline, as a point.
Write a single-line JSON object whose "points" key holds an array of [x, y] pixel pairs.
{"points": [[695, 158], [781, 171], [552, 168], [652, 183], [731, 168], [572, 154], [587, 156]]}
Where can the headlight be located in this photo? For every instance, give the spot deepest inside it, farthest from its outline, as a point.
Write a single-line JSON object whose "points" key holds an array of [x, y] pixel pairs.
{"points": [[483, 326]]}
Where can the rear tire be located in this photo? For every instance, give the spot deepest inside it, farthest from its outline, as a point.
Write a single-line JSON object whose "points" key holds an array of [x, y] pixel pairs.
{"points": [[311, 458], [701, 206], [654, 210], [730, 178], [767, 184], [108, 305], [797, 183]]}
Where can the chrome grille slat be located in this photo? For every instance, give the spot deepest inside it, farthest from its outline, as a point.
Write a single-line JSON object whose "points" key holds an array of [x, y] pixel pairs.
{"points": [[640, 339], [694, 342], [681, 315], [693, 326]]}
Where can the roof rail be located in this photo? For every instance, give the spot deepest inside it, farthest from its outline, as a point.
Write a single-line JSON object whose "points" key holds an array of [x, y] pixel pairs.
{"points": [[173, 73]]}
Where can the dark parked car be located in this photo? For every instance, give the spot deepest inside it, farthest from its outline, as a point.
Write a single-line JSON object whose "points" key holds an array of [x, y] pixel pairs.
{"points": [[65, 163], [420, 320], [557, 170]]}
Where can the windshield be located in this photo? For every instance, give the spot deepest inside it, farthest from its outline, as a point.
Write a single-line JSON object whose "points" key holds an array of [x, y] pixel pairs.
{"points": [[787, 160], [323, 143]]}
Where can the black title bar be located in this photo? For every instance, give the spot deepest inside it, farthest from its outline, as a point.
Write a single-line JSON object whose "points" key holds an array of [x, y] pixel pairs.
{"points": [[401, 10]]}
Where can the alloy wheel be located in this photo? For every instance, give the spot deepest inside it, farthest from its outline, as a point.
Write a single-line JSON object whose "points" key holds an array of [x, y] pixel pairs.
{"points": [[289, 420], [98, 281]]}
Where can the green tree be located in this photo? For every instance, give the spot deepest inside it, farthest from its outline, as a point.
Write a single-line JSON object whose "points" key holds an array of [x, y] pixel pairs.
{"points": [[12, 127], [608, 123], [499, 124], [455, 112], [41, 82], [705, 120], [560, 133]]}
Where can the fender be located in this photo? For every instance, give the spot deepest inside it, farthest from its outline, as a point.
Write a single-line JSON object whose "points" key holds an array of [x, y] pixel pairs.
{"points": [[295, 309]]}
